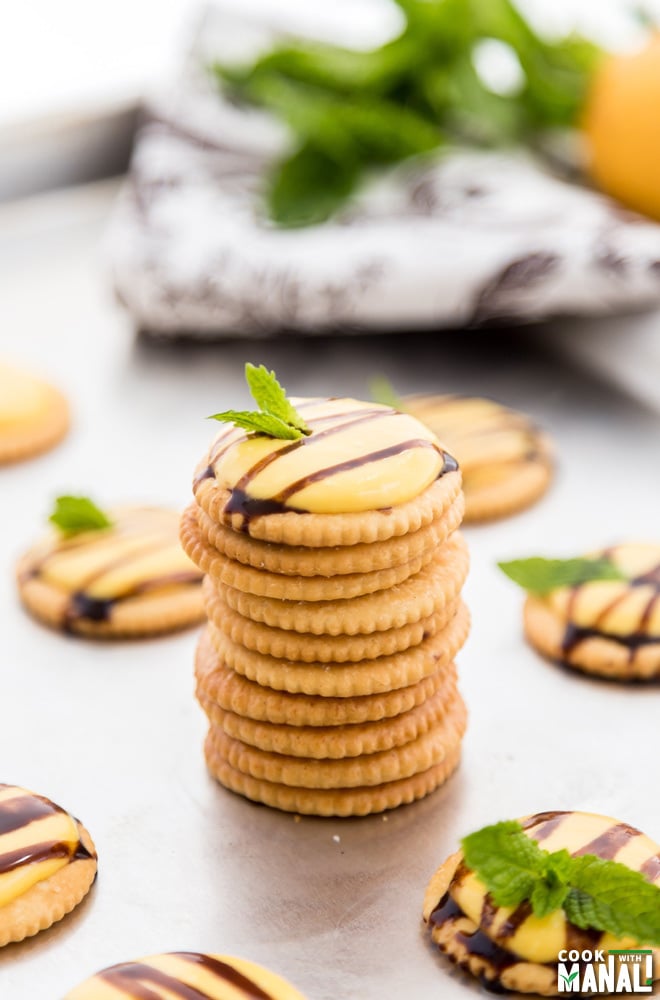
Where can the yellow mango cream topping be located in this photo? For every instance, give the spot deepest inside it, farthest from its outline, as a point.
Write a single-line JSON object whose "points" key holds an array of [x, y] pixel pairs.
{"points": [[186, 975], [23, 399], [37, 839], [540, 939], [488, 439], [627, 609], [138, 556], [359, 456]]}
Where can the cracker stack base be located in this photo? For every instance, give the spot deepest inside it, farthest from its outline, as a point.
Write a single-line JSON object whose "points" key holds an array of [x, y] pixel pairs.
{"points": [[326, 668]]}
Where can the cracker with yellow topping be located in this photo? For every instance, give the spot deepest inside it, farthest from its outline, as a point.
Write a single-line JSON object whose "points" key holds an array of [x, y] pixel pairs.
{"points": [[605, 618], [129, 578], [34, 415], [329, 561], [363, 473], [506, 460], [47, 863], [327, 529], [583, 867], [186, 974]]}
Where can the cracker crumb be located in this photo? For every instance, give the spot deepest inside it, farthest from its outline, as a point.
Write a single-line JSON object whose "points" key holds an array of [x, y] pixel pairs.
{"points": [[297, 818], [385, 818]]}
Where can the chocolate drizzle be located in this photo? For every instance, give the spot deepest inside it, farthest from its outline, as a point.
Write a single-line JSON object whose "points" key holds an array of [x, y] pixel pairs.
{"points": [[576, 634], [543, 824], [19, 813], [243, 503], [609, 843], [136, 979], [81, 604]]}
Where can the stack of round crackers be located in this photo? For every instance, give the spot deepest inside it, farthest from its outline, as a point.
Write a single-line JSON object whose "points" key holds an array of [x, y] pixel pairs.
{"points": [[327, 666]]}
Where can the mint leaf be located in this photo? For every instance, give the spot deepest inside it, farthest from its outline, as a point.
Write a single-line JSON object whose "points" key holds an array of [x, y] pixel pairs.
{"points": [[351, 111], [608, 896], [270, 397], [594, 893], [540, 576], [277, 417], [549, 894], [382, 391], [262, 423], [73, 515], [509, 863]]}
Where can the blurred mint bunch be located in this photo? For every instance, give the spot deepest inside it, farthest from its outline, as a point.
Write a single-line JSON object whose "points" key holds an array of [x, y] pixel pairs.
{"points": [[355, 111]]}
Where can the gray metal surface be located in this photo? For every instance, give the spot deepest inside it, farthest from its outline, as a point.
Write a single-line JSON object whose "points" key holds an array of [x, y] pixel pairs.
{"points": [[112, 731]]}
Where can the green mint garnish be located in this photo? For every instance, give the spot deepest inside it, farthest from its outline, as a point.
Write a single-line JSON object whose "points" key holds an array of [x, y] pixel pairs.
{"points": [[276, 416], [352, 112], [73, 515], [594, 893], [382, 391], [540, 576]]}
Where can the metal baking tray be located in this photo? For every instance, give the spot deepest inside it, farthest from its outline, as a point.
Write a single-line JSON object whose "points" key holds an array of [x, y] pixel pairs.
{"points": [[112, 731]]}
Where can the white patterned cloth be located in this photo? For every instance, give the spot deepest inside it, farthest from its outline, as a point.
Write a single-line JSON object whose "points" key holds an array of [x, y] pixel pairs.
{"points": [[464, 238]]}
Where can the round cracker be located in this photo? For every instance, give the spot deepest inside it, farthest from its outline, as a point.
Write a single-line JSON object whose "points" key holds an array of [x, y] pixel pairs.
{"points": [[336, 742], [338, 801], [363, 557], [323, 530], [351, 772], [339, 680], [30, 438], [48, 901], [221, 685], [596, 655], [280, 586], [289, 645], [420, 596]]}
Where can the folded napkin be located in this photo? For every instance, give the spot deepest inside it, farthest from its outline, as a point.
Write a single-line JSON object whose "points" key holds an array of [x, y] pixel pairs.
{"points": [[460, 239]]}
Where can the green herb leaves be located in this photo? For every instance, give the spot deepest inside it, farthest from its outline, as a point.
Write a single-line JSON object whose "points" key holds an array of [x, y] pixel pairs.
{"points": [[541, 576], [353, 111], [594, 893], [382, 391], [73, 515], [608, 896], [514, 867], [276, 416]]}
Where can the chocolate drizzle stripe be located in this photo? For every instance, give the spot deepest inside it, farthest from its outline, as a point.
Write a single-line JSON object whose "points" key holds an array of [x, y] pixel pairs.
{"points": [[608, 844], [227, 972], [364, 417], [544, 824], [447, 909], [136, 980], [22, 810], [352, 463], [575, 634], [515, 920], [651, 868], [48, 850]]}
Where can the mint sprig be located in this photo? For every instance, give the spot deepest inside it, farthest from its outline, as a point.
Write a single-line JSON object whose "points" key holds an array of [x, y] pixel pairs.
{"points": [[540, 576], [594, 893], [382, 391], [73, 515], [276, 416], [353, 112]]}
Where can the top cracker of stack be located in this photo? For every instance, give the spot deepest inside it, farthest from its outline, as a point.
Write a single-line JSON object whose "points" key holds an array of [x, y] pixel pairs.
{"points": [[334, 572]]}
